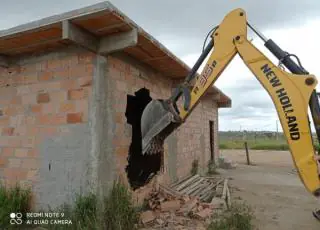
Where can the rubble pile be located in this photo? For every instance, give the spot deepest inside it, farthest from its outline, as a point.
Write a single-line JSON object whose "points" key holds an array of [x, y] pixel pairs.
{"points": [[187, 204]]}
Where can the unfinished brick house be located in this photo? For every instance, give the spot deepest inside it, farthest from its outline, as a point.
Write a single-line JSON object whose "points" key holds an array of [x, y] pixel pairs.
{"points": [[72, 89]]}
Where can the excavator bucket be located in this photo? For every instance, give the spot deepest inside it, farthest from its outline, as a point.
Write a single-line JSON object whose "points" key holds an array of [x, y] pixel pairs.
{"points": [[157, 122]]}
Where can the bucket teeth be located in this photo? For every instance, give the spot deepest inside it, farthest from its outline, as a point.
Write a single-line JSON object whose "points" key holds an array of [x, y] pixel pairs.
{"points": [[156, 145]]}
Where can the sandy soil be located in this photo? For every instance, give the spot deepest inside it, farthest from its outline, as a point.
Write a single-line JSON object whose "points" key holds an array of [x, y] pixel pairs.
{"points": [[272, 187]]}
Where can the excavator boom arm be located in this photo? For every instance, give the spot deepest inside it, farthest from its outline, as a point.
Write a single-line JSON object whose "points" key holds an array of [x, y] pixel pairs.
{"points": [[289, 92]]}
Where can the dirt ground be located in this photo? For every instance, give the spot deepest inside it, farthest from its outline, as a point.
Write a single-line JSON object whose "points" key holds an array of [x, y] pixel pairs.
{"points": [[272, 187]]}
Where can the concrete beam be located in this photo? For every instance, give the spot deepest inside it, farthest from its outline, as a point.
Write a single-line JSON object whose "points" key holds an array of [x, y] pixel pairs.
{"points": [[4, 62], [79, 36], [117, 42]]}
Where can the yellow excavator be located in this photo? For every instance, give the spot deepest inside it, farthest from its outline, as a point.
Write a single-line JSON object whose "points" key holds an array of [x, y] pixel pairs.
{"points": [[291, 94]]}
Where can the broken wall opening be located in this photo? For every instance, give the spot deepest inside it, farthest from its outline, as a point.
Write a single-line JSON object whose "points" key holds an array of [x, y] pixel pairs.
{"points": [[141, 168]]}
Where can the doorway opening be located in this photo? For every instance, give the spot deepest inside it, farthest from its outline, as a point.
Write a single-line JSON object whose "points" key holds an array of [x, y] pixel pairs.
{"points": [[211, 130]]}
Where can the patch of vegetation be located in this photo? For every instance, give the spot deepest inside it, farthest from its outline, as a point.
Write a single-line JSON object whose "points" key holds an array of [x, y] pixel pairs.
{"points": [[13, 200], [194, 167], [256, 145], [212, 168], [238, 217], [118, 212]]}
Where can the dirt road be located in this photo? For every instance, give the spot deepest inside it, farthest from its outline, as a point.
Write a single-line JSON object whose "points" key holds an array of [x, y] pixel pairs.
{"points": [[273, 189]]}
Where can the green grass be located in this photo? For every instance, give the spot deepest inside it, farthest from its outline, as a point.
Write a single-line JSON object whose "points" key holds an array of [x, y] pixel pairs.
{"points": [[13, 200], [238, 217], [256, 145], [118, 212]]}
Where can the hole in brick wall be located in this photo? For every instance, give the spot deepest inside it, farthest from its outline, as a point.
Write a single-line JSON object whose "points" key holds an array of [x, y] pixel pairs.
{"points": [[141, 168]]}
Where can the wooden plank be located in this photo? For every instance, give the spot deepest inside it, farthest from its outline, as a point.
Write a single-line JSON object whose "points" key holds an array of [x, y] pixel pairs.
{"points": [[228, 197], [198, 191], [187, 182], [169, 191], [79, 36], [191, 187], [119, 41], [180, 181], [224, 191], [210, 188]]}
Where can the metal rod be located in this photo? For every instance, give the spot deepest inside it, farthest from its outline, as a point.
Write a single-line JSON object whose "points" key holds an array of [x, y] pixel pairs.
{"points": [[254, 29]]}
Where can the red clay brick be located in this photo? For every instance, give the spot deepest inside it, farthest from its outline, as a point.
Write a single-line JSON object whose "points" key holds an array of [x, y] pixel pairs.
{"points": [[15, 80], [3, 161], [8, 131], [15, 174], [32, 130], [13, 110], [6, 152], [82, 106], [21, 152], [89, 69], [30, 164], [47, 131], [23, 89], [49, 108], [36, 108], [13, 142], [85, 58], [16, 100], [119, 117], [14, 163], [33, 175], [29, 79], [28, 142], [68, 84], [29, 99], [45, 76], [73, 118], [122, 151], [67, 107], [52, 119], [85, 81], [59, 96], [51, 86], [76, 94], [33, 153], [43, 98], [62, 74], [54, 64]]}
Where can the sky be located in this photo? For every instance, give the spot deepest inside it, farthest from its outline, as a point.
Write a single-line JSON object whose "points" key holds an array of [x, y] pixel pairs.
{"points": [[182, 25]]}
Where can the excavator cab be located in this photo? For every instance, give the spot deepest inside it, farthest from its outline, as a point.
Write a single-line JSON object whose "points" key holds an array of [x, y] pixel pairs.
{"points": [[291, 94]]}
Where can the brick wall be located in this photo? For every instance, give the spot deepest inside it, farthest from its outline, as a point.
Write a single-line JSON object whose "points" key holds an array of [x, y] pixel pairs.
{"points": [[190, 142], [42, 100], [48, 129]]}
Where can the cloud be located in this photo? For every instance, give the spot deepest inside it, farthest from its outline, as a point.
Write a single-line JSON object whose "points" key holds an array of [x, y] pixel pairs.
{"points": [[182, 26]]}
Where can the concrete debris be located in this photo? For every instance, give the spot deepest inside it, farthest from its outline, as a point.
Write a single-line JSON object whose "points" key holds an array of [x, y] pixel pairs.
{"points": [[147, 217], [172, 205], [187, 204]]}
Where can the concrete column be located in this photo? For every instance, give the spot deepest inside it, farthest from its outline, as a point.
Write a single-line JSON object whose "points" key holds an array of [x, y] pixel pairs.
{"points": [[172, 157], [102, 152]]}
